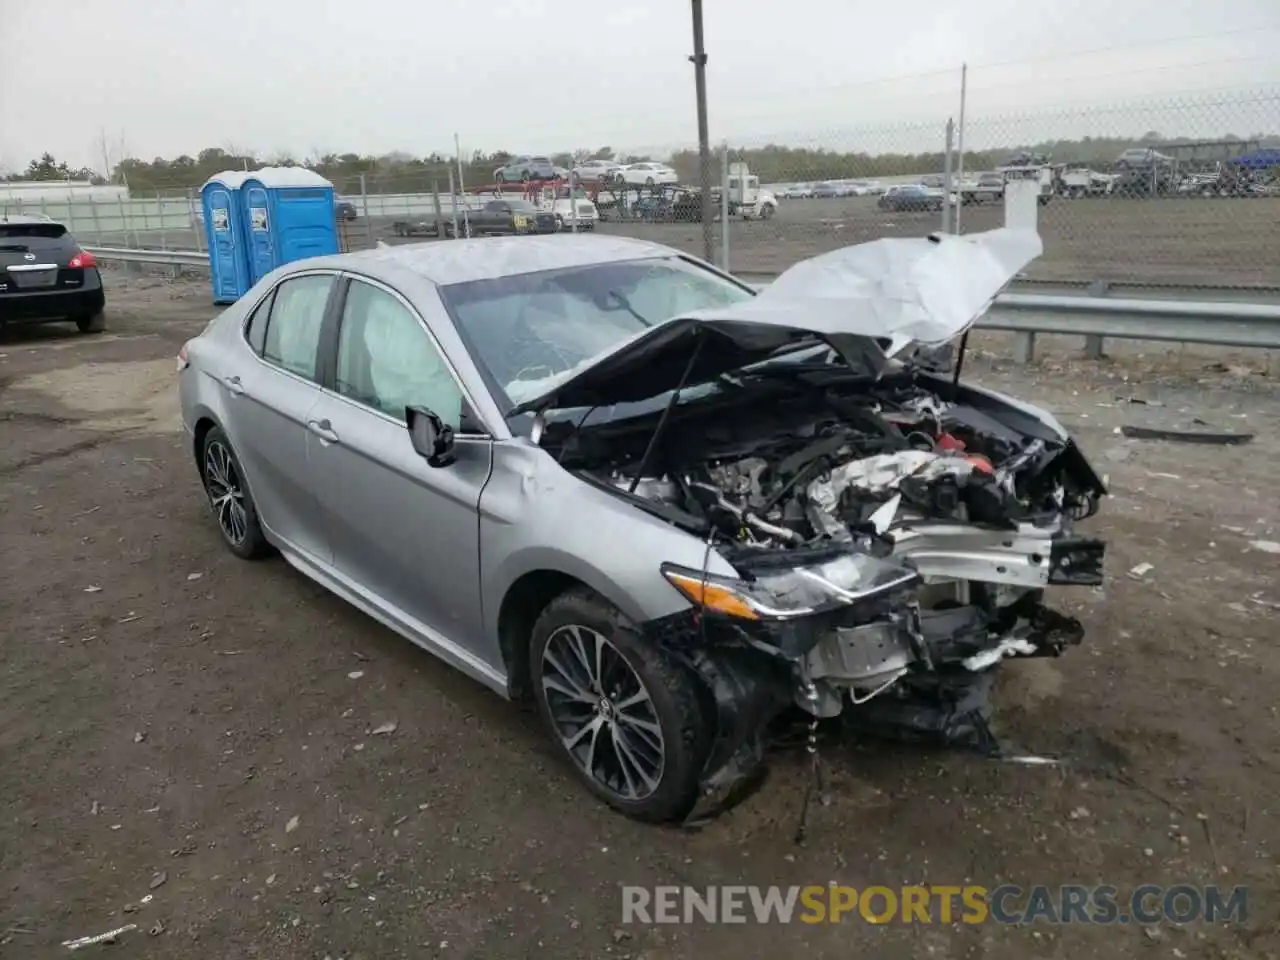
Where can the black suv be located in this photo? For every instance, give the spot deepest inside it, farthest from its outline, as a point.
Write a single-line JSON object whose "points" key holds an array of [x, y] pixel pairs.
{"points": [[46, 275]]}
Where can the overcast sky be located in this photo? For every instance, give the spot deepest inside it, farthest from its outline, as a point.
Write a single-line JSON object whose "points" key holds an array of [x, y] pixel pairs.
{"points": [[306, 76]]}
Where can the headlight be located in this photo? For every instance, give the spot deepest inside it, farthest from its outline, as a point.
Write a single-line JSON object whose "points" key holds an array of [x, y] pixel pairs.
{"points": [[792, 591]]}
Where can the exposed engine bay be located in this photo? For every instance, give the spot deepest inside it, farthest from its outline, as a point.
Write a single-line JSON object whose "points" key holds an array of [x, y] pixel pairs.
{"points": [[838, 477], [976, 494]]}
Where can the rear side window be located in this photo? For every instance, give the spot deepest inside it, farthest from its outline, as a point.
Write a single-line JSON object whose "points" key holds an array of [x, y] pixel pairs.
{"points": [[255, 331], [294, 323]]}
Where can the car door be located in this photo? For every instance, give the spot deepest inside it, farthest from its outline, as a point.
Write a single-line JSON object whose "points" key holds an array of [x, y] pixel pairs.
{"points": [[269, 398], [403, 531]]}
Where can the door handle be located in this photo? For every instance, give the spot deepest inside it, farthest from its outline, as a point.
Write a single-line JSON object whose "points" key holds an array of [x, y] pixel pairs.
{"points": [[323, 429], [234, 385]]}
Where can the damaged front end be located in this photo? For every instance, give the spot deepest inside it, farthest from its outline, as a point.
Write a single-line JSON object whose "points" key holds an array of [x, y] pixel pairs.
{"points": [[893, 532], [796, 477], [749, 640]]}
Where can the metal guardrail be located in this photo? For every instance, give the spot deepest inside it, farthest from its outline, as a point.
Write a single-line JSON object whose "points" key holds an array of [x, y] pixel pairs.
{"points": [[172, 258], [1221, 323]]}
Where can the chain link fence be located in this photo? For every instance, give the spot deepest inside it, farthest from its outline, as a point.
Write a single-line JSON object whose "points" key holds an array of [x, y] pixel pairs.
{"points": [[163, 220], [1183, 192]]}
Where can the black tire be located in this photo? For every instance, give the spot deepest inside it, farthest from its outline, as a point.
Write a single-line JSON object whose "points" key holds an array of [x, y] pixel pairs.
{"points": [[766, 211], [252, 544], [674, 704], [94, 323]]}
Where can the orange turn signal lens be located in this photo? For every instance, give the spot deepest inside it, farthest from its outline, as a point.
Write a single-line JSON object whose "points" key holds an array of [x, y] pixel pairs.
{"points": [[712, 596]]}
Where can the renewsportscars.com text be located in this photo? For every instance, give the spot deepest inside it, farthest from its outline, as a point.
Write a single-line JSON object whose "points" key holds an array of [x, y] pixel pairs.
{"points": [[972, 904]]}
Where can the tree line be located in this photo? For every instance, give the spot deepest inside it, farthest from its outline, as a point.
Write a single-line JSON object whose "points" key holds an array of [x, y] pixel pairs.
{"points": [[403, 173]]}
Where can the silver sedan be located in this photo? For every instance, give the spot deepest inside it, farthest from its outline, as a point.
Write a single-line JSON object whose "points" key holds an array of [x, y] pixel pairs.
{"points": [[600, 474]]}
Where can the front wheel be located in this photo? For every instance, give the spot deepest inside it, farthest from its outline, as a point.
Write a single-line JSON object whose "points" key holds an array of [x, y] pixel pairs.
{"points": [[766, 211], [624, 714]]}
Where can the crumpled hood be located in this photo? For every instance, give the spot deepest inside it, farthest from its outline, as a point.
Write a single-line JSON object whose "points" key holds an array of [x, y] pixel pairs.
{"points": [[923, 290]]}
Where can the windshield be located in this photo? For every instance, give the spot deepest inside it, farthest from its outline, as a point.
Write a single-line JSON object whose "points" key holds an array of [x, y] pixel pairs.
{"points": [[523, 330]]}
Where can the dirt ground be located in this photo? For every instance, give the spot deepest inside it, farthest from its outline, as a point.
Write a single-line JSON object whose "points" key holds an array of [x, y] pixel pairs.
{"points": [[188, 739], [1184, 242]]}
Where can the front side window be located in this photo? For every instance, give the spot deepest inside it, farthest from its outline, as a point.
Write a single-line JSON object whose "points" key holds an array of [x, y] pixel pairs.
{"points": [[293, 326], [388, 361], [526, 328]]}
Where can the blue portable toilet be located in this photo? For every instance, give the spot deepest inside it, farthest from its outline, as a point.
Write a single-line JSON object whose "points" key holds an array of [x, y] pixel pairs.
{"points": [[287, 215], [225, 236]]}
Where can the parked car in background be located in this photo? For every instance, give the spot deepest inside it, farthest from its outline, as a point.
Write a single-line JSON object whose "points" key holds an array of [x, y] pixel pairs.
{"points": [[344, 210], [45, 275], [825, 190], [796, 191], [646, 173], [805, 521], [985, 188], [527, 168], [504, 216], [910, 196], [596, 171], [416, 228], [858, 188]]}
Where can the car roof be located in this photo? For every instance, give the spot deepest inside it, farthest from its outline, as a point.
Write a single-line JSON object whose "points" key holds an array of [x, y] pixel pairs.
{"points": [[487, 258], [23, 218]]}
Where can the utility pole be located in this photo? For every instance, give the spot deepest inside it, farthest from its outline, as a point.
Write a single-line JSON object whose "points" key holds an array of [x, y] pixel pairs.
{"points": [[964, 89], [699, 60]]}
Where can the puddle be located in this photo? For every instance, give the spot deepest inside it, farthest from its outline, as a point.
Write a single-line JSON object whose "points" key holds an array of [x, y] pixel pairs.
{"points": [[137, 395]]}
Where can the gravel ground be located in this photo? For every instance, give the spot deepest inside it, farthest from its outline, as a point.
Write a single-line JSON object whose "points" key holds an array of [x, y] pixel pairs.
{"points": [[1173, 241], [189, 746]]}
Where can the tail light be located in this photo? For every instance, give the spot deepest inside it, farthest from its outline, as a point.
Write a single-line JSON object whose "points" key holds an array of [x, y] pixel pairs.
{"points": [[83, 261], [183, 362]]}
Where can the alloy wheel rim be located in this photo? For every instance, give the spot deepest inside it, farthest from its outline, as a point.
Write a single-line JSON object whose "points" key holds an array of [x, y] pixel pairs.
{"points": [[602, 712], [226, 496]]}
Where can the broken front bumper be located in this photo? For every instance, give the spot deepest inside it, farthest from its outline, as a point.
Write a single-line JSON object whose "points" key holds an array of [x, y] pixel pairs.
{"points": [[1027, 556]]}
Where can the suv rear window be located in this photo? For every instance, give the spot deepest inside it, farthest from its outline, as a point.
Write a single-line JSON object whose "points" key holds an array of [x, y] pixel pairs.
{"points": [[46, 231]]}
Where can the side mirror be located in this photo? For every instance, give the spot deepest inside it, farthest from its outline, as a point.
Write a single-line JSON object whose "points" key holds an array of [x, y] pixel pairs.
{"points": [[432, 438]]}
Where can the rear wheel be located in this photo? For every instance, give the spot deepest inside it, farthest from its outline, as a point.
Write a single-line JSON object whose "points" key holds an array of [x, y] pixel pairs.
{"points": [[94, 323], [624, 714], [229, 498]]}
